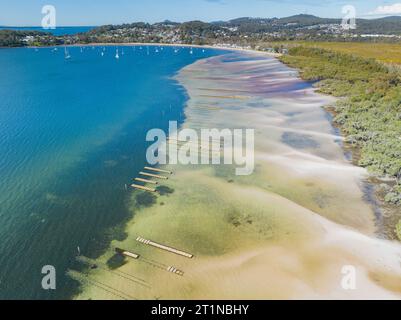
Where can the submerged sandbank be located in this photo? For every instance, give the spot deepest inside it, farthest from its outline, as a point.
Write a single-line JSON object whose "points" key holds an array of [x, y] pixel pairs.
{"points": [[284, 232]]}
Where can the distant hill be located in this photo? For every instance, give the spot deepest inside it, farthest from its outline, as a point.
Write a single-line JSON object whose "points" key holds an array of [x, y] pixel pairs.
{"points": [[306, 20], [244, 31], [387, 25], [248, 25]]}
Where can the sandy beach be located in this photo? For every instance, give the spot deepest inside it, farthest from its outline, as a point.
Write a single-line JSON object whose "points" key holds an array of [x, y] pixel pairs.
{"points": [[284, 232]]}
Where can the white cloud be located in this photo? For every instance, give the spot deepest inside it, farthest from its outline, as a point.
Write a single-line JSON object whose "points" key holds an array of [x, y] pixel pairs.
{"points": [[393, 9]]}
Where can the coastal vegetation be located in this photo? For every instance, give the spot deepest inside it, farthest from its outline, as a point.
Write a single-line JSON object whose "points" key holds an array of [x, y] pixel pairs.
{"points": [[249, 32], [12, 38], [368, 111], [388, 53]]}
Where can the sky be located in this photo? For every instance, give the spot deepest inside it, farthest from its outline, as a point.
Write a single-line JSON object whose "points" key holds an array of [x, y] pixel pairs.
{"points": [[100, 12]]}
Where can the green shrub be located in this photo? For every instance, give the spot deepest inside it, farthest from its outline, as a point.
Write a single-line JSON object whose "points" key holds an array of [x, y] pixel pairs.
{"points": [[369, 112]]}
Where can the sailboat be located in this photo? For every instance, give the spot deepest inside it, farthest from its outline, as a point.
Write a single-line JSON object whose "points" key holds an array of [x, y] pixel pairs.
{"points": [[192, 51], [66, 54], [102, 53], [117, 55]]}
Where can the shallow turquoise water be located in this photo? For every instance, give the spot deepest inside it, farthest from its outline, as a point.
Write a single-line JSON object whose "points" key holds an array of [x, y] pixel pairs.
{"points": [[72, 134]]}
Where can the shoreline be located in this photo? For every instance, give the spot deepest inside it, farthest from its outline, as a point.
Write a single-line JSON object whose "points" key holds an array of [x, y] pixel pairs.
{"points": [[128, 44], [241, 230], [386, 212], [363, 140]]}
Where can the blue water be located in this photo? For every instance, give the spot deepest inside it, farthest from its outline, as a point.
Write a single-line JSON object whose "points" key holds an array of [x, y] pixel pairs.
{"points": [[59, 31], [72, 134]]}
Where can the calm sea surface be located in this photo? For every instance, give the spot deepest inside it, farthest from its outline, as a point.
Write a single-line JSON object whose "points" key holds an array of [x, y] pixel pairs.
{"points": [[59, 31], [72, 134]]}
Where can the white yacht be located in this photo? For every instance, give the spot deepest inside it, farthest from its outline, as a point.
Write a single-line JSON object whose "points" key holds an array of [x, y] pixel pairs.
{"points": [[66, 53]]}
